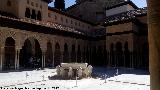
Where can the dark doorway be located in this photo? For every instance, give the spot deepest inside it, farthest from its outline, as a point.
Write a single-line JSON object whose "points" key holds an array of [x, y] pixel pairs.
{"points": [[126, 55], [39, 16], [66, 54], [87, 55], [31, 54], [112, 56], [145, 55], [99, 56], [73, 54], [57, 55], [33, 16], [9, 62], [49, 55], [79, 54], [119, 53], [27, 13]]}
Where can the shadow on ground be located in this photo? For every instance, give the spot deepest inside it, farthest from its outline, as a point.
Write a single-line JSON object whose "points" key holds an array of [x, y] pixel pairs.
{"points": [[100, 72]]}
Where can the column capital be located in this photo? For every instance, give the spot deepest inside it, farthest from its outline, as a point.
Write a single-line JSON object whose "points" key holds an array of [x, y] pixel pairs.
{"points": [[43, 49], [18, 48]]}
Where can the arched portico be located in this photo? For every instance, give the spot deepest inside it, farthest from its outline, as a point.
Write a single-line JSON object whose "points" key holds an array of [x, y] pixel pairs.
{"points": [[57, 54], [31, 54], [79, 54], [73, 53], [9, 59], [66, 54], [49, 55]]}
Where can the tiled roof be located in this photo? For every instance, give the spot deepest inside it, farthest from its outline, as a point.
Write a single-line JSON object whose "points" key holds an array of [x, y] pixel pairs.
{"points": [[121, 4], [126, 15], [45, 24]]}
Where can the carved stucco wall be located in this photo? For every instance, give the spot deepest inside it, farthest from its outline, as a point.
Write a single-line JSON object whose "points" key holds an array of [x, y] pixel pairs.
{"points": [[21, 35]]}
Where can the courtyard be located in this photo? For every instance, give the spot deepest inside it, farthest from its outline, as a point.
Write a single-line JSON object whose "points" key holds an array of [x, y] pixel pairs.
{"points": [[102, 79]]}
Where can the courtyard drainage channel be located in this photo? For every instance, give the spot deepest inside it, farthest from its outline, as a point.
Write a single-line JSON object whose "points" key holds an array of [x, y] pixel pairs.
{"points": [[128, 82], [21, 84]]}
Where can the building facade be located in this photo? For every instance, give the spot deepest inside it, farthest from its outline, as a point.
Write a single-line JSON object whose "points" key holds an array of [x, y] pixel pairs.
{"points": [[35, 35]]}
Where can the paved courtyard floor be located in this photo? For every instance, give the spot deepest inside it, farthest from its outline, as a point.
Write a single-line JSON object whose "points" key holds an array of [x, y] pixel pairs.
{"points": [[121, 79]]}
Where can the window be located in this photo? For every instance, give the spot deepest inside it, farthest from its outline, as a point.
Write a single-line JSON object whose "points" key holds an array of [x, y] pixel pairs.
{"points": [[27, 13], [39, 17], [33, 16], [9, 3]]}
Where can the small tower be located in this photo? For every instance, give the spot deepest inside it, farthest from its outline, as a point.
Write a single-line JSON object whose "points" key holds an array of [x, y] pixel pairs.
{"points": [[59, 4]]}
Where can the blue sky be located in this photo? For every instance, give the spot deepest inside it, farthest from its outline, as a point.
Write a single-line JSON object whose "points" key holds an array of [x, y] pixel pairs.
{"points": [[139, 3]]}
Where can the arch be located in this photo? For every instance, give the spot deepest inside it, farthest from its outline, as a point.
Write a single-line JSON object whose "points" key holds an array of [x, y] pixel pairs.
{"points": [[87, 55], [27, 13], [33, 16], [73, 54], [99, 56], [112, 56], [57, 55], [126, 55], [49, 55], [118, 58], [84, 55], [9, 61], [94, 55], [32, 38], [39, 16], [31, 54], [145, 55], [79, 54], [66, 54]]}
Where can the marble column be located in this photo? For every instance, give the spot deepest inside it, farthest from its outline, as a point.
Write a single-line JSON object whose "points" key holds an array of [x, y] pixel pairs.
{"points": [[154, 43], [15, 61], [43, 59], [53, 59], [62, 57], [17, 57]]}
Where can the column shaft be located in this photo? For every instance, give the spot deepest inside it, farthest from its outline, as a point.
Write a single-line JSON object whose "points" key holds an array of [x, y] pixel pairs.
{"points": [[154, 42], [18, 54], [42, 60], [15, 59]]}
